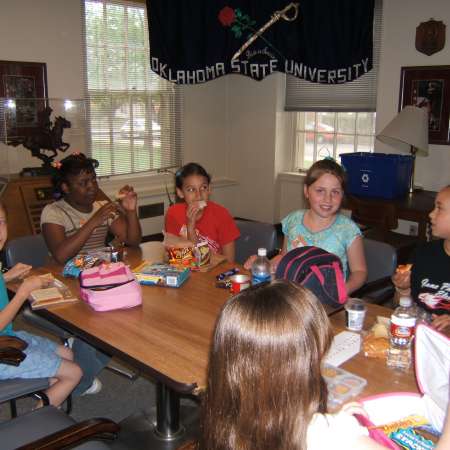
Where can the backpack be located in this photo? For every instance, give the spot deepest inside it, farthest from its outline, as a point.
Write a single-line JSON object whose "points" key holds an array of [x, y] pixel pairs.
{"points": [[317, 270]]}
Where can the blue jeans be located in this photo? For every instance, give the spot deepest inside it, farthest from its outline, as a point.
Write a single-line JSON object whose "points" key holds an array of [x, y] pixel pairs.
{"points": [[91, 361]]}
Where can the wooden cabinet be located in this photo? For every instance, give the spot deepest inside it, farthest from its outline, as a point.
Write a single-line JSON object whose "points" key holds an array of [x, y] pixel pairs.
{"points": [[24, 199]]}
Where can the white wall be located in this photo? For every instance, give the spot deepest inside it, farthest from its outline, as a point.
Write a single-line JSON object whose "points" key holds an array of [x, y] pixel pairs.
{"points": [[42, 31]]}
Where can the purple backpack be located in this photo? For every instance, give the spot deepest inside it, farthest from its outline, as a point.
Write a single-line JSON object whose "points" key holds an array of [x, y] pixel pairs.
{"points": [[317, 270]]}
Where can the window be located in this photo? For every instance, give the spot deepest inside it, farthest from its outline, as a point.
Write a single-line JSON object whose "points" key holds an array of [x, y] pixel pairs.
{"points": [[133, 114], [322, 134], [334, 119]]}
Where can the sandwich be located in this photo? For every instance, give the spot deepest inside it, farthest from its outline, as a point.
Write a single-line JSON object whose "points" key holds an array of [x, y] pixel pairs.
{"points": [[404, 268]]}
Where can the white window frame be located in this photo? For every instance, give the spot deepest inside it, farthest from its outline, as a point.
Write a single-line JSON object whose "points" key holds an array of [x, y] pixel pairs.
{"points": [[155, 148], [321, 151]]}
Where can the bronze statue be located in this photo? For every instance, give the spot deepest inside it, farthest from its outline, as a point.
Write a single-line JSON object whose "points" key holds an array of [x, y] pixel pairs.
{"points": [[46, 137]]}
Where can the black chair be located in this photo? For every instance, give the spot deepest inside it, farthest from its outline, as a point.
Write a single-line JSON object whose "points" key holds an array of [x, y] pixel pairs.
{"points": [[254, 235], [381, 260], [47, 427], [32, 250], [11, 353]]}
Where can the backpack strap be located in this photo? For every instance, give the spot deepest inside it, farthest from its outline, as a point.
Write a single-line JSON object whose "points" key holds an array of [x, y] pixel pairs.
{"points": [[318, 274], [301, 254], [340, 283]]}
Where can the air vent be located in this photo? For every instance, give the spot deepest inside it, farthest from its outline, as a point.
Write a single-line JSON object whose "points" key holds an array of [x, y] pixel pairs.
{"points": [[154, 210]]}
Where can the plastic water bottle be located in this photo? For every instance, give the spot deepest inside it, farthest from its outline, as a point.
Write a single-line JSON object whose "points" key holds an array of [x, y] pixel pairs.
{"points": [[261, 267], [403, 323]]}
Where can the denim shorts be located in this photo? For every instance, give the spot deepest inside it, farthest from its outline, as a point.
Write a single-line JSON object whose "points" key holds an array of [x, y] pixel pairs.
{"points": [[41, 361]]}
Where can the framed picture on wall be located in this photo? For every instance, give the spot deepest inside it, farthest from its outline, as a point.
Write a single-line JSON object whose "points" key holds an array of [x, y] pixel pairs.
{"points": [[429, 87], [23, 88]]}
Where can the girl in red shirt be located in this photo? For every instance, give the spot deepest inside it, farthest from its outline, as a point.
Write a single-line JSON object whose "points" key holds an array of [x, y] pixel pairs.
{"points": [[197, 218]]}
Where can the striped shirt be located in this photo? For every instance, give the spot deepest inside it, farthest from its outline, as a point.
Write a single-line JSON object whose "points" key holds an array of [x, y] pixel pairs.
{"points": [[61, 213]]}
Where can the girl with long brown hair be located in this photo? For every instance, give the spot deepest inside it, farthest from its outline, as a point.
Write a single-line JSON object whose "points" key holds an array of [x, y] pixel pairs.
{"points": [[265, 389]]}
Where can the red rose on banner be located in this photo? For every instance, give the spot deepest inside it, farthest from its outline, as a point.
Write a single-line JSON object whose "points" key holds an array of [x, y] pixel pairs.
{"points": [[226, 16]]}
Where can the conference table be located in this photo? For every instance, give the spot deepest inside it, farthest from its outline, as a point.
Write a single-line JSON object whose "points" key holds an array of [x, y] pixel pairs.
{"points": [[169, 336]]}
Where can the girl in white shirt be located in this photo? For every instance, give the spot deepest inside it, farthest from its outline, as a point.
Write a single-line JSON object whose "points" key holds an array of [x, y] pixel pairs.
{"points": [[265, 389]]}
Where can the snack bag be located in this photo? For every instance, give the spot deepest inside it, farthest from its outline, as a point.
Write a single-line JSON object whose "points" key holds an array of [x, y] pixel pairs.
{"points": [[184, 253], [181, 256], [78, 263], [202, 254]]}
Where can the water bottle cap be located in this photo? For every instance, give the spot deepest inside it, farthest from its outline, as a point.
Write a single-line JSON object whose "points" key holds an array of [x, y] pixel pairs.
{"points": [[262, 252], [405, 301]]}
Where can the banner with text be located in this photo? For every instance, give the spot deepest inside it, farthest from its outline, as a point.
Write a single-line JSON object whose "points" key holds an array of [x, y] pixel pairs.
{"points": [[323, 41]]}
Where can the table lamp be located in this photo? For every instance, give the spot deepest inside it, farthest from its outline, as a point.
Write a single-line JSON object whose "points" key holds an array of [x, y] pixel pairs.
{"points": [[408, 130]]}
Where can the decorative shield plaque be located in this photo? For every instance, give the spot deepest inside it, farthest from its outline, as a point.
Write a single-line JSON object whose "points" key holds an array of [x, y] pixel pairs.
{"points": [[430, 37]]}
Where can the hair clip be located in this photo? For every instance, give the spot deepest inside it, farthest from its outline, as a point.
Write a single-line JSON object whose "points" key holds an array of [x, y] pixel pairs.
{"points": [[329, 158], [76, 153], [56, 165]]}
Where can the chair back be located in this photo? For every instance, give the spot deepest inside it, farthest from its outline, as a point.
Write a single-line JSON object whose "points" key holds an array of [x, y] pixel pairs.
{"points": [[254, 235], [30, 250], [381, 259]]}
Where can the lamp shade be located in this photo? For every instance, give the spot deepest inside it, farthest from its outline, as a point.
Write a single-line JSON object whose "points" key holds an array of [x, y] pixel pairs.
{"points": [[408, 127]]}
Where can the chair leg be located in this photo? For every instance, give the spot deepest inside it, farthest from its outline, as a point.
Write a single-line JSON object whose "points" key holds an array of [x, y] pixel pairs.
{"points": [[13, 408], [42, 396], [69, 404], [126, 373]]}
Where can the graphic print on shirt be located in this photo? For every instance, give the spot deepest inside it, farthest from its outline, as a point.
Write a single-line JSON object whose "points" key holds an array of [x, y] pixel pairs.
{"points": [[437, 295], [212, 244], [299, 241]]}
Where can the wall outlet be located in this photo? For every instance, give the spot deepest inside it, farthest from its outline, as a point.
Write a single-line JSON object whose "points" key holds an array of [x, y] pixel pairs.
{"points": [[413, 230]]}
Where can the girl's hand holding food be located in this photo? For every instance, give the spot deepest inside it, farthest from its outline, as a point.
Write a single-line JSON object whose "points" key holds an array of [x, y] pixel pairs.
{"points": [[19, 271], [402, 278], [127, 198], [194, 211], [32, 283], [108, 211]]}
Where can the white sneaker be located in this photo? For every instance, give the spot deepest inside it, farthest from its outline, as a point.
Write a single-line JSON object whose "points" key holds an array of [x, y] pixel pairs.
{"points": [[70, 342], [95, 387]]}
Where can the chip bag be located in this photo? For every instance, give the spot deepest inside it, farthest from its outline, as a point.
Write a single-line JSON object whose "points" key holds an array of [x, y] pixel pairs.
{"points": [[185, 253]]}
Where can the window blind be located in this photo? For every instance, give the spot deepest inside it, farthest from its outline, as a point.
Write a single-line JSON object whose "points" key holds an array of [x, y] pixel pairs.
{"points": [[134, 116], [358, 95]]}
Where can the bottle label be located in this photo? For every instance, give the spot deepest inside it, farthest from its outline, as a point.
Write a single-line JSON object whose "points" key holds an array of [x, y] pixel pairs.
{"points": [[260, 278], [402, 331]]}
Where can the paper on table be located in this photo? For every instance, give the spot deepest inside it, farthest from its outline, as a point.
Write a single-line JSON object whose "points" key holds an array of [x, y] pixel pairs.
{"points": [[345, 345]]}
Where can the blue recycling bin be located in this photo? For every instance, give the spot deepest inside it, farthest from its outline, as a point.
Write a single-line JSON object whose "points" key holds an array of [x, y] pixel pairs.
{"points": [[377, 174]]}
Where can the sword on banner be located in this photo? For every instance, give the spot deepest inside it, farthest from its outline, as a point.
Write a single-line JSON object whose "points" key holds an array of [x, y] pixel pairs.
{"points": [[276, 16]]}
